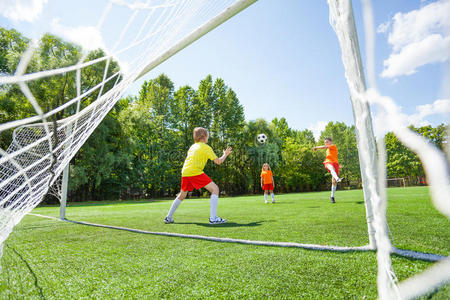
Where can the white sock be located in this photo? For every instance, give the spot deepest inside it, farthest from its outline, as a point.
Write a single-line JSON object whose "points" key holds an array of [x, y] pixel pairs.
{"points": [[333, 173], [265, 197], [333, 189], [174, 207], [273, 197], [214, 202]]}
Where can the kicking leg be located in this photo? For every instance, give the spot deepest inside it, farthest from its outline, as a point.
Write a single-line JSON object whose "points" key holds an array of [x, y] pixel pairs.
{"points": [[333, 172], [273, 196]]}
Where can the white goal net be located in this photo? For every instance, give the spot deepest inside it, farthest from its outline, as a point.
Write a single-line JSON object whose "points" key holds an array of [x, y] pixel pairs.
{"points": [[44, 143]]}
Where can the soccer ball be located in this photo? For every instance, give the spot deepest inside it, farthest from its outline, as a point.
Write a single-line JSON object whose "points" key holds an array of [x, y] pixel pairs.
{"points": [[261, 138]]}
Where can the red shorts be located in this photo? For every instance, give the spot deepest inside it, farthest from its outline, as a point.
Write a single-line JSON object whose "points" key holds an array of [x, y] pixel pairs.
{"points": [[268, 187], [335, 165], [194, 182]]}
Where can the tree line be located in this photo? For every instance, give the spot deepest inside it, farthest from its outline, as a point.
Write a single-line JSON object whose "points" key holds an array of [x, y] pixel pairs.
{"points": [[139, 148]]}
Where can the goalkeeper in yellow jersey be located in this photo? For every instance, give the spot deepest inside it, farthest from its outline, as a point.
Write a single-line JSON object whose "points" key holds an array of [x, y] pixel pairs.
{"points": [[193, 177]]}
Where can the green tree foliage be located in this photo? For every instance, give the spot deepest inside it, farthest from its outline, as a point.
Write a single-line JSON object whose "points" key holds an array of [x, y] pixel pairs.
{"points": [[12, 105], [139, 148], [402, 162], [102, 152], [102, 169]]}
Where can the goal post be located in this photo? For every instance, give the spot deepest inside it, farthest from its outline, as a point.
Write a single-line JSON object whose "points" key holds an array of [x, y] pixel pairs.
{"points": [[343, 23]]}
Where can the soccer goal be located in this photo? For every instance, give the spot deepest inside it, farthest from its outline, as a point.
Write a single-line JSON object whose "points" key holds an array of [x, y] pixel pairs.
{"points": [[396, 182], [43, 143]]}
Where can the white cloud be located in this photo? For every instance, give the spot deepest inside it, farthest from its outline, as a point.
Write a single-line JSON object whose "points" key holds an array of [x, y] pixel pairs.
{"points": [[382, 28], [318, 128], [22, 10], [440, 106], [434, 48], [418, 119], [418, 37], [89, 37]]}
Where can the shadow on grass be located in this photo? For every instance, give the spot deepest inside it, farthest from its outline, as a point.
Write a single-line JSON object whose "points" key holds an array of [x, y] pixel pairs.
{"points": [[36, 283], [228, 224]]}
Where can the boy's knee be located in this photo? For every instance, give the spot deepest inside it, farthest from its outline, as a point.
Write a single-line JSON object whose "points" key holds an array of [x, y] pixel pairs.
{"points": [[182, 195], [216, 190]]}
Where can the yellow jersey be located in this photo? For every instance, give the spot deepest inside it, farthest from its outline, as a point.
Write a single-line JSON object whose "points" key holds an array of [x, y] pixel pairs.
{"points": [[332, 154], [196, 159]]}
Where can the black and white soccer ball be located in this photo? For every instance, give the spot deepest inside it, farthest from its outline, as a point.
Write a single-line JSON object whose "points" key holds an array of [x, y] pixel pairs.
{"points": [[261, 138]]}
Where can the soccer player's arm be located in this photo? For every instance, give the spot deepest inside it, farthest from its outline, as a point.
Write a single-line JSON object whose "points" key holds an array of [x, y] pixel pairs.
{"points": [[220, 160], [262, 181], [273, 182], [320, 147]]}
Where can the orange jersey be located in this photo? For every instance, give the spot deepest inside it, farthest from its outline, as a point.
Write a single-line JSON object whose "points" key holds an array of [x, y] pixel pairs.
{"points": [[332, 154], [267, 177]]}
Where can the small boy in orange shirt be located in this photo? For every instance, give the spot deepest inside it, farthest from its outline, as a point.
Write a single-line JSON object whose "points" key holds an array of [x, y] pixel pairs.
{"points": [[193, 177], [331, 164], [267, 182]]}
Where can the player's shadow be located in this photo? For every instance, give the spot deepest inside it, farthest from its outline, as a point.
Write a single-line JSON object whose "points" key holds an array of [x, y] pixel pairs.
{"points": [[359, 202], [228, 224]]}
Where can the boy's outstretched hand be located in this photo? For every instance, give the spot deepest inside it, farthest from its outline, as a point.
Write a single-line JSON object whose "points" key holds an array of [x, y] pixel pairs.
{"points": [[227, 151]]}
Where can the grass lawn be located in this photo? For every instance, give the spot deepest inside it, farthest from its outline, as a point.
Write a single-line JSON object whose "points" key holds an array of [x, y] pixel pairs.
{"points": [[49, 259]]}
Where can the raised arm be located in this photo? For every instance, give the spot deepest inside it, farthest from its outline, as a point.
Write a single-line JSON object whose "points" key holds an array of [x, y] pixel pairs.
{"points": [[221, 159], [320, 147]]}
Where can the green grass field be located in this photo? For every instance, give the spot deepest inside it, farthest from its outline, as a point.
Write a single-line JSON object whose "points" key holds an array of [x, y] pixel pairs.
{"points": [[49, 259]]}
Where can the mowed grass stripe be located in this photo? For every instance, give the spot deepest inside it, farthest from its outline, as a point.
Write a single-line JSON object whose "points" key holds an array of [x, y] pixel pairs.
{"points": [[68, 260]]}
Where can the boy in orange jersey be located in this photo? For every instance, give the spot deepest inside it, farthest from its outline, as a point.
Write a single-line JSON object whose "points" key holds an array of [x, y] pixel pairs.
{"points": [[192, 175], [267, 182], [331, 164]]}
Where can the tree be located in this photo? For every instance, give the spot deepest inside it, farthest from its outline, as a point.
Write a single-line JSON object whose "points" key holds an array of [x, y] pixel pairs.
{"points": [[101, 169]]}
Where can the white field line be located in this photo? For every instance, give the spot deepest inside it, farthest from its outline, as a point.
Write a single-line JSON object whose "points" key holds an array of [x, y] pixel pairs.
{"points": [[400, 252]]}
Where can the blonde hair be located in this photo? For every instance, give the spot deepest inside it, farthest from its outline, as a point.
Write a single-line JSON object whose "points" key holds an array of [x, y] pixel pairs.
{"points": [[266, 164], [200, 133]]}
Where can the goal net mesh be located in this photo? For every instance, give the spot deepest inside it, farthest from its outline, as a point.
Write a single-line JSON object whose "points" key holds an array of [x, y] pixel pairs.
{"points": [[43, 144]]}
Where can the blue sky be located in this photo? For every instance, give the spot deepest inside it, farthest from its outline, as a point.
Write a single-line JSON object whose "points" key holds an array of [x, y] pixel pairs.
{"points": [[283, 59]]}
